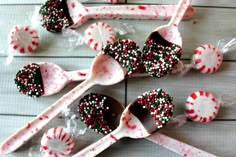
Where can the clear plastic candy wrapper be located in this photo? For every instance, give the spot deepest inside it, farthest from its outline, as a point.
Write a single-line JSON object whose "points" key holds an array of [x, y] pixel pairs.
{"points": [[202, 107], [96, 35], [59, 140], [207, 58]]}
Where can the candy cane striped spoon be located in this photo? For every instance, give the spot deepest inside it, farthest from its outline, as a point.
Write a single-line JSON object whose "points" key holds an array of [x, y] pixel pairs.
{"points": [[163, 48], [105, 70], [45, 78], [59, 14]]}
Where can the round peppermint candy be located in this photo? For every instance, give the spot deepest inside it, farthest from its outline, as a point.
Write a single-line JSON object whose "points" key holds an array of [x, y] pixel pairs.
{"points": [[57, 142], [201, 106], [23, 39], [207, 59], [99, 34]]}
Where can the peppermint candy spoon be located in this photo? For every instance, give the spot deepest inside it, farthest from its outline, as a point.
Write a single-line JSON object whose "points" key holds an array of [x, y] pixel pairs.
{"points": [[23, 39], [102, 113], [105, 70], [57, 14], [163, 48], [149, 112], [45, 78]]}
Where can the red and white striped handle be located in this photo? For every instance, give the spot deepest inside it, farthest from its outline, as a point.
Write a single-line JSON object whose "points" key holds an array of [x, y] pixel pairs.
{"points": [[177, 146]]}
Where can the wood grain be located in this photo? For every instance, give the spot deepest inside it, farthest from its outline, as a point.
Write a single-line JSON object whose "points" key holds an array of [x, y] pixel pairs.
{"points": [[206, 27], [214, 20], [198, 135]]}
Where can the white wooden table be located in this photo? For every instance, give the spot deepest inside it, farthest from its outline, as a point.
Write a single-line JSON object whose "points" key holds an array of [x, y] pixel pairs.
{"points": [[214, 20]]}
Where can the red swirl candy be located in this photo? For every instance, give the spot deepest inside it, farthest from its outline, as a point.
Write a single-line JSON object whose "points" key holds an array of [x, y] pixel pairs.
{"points": [[201, 106], [23, 39], [57, 142]]}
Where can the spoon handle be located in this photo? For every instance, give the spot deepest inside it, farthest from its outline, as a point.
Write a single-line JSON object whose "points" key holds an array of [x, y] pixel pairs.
{"points": [[78, 75], [179, 12], [36, 124], [178, 147], [100, 145], [162, 12], [81, 75]]}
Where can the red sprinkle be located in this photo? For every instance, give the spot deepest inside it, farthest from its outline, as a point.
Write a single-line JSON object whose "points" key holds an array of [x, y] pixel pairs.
{"points": [[142, 7]]}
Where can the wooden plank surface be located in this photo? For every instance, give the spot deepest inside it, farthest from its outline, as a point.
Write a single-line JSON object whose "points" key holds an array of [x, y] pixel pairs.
{"points": [[208, 137], [217, 3], [206, 27], [214, 20], [208, 3]]}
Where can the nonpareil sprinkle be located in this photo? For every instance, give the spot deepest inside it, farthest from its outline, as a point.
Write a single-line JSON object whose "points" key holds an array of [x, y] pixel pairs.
{"points": [[92, 108], [55, 15], [126, 52], [160, 56], [29, 80], [159, 104]]}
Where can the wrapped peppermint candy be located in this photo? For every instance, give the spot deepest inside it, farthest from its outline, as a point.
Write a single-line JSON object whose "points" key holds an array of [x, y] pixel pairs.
{"points": [[97, 35], [59, 141], [202, 107], [207, 58]]}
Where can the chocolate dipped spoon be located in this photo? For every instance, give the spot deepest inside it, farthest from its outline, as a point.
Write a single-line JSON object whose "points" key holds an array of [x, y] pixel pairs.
{"points": [[149, 112], [59, 14], [44, 78], [102, 113], [163, 47], [105, 70]]}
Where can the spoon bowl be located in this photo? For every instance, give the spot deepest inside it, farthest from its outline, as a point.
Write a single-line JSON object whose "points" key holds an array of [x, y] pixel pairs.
{"points": [[53, 78], [163, 48], [170, 33], [106, 70], [100, 112]]}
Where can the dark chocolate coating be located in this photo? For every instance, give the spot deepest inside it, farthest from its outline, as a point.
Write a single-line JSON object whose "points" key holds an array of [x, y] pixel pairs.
{"points": [[55, 15]]}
